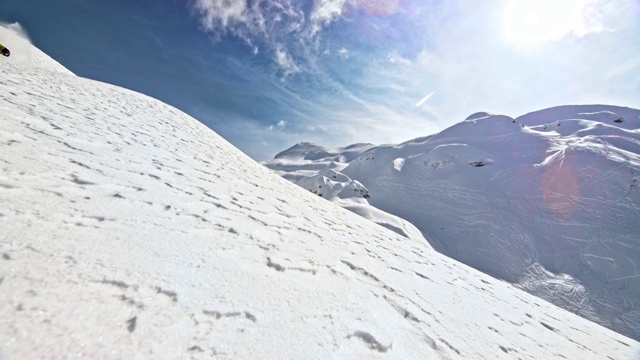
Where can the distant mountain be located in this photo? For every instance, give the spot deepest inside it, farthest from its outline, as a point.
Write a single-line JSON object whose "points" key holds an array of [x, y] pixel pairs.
{"points": [[317, 169], [130, 230], [548, 201], [310, 151]]}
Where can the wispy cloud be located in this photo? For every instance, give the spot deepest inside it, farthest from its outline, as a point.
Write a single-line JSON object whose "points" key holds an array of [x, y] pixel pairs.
{"points": [[219, 14], [280, 125], [343, 53], [424, 99], [271, 23], [324, 12], [285, 61], [396, 58], [288, 29]]}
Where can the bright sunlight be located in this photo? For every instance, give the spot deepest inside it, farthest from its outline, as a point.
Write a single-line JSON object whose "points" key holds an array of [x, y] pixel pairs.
{"points": [[537, 22]]}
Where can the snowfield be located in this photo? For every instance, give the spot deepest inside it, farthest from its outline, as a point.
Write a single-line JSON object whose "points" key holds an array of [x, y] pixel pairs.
{"points": [[549, 201], [130, 230]]}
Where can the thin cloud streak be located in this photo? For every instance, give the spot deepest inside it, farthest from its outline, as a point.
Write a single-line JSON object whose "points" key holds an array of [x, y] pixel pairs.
{"points": [[424, 99]]}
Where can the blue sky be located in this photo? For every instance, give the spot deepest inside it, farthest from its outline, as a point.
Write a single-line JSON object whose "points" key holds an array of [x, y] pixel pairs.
{"points": [[268, 74]]}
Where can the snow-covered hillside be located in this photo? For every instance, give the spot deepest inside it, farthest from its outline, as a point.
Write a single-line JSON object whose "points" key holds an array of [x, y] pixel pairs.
{"points": [[15, 38], [130, 230], [549, 201]]}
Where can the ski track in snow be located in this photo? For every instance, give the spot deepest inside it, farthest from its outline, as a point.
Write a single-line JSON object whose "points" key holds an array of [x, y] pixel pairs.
{"points": [[130, 230]]}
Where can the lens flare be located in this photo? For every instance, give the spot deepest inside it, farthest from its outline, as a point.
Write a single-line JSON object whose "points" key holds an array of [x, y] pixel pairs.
{"points": [[560, 186], [380, 7]]}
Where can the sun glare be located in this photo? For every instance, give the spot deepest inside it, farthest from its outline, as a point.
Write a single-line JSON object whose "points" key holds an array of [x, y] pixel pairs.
{"points": [[536, 22]]}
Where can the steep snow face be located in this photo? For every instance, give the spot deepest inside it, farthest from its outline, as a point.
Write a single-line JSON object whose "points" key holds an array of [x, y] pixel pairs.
{"points": [[549, 201], [129, 230], [15, 39]]}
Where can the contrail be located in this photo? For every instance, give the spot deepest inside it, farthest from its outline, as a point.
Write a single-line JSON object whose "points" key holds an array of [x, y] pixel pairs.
{"points": [[422, 101]]}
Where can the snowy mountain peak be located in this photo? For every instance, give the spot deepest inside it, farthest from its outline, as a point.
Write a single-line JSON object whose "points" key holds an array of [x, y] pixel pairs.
{"points": [[617, 116], [310, 151], [478, 115], [489, 126]]}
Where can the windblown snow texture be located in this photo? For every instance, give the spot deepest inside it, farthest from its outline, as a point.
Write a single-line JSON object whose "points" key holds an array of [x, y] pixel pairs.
{"points": [[130, 230], [549, 201]]}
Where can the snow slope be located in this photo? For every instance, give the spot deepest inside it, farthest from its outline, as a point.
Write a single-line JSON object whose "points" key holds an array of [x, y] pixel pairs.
{"points": [[130, 230], [17, 41], [548, 201]]}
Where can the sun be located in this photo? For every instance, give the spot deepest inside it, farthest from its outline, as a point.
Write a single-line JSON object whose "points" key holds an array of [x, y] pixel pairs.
{"points": [[537, 22]]}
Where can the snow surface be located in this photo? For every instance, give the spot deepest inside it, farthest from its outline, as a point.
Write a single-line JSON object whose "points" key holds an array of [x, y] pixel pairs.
{"points": [[130, 230], [549, 201]]}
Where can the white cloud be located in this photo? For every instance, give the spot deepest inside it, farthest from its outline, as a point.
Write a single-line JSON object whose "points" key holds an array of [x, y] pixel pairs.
{"points": [[285, 61], [325, 11], [343, 53], [396, 58], [265, 25], [220, 13], [287, 29], [279, 126], [267, 19]]}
